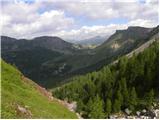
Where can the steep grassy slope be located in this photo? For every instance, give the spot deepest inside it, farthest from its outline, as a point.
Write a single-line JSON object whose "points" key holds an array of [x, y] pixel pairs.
{"points": [[22, 98]]}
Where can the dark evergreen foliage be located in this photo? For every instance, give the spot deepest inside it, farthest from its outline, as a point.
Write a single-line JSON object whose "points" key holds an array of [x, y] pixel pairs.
{"points": [[128, 84]]}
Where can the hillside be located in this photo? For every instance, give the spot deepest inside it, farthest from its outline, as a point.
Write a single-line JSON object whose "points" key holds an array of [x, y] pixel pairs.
{"points": [[132, 84], [120, 43], [22, 98], [30, 55], [141, 48], [123, 41]]}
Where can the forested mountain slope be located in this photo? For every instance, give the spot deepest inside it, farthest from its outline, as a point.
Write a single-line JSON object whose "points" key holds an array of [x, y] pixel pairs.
{"points": [[131, 83], [122, 42], [22, 98]]}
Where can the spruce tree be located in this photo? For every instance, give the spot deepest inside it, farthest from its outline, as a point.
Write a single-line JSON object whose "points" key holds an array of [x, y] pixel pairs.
{"points": [[80, 106], [124, 92], [116, 106], [150, 98], [133, 99], [119, 97], [95, 108], [108, 107]]}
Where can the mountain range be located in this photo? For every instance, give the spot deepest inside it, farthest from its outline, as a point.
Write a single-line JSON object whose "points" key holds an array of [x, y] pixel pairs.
{"points": [[44, 42], [50, 61], [97, 40]]}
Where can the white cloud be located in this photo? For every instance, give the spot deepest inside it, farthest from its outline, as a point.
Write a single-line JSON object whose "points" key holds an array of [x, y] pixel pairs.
{"points": [[111, 9], [86, 32], [142, 23], [23, 20]]}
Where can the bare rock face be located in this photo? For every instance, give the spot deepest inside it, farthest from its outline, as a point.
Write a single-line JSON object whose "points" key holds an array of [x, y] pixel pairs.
{"points": [[115, 46]]}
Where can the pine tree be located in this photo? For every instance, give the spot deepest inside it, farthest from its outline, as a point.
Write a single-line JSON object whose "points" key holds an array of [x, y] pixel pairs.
{"points": [[133, 99], [122, 63], [119, 96], [95, 108], [124, 92], [116, 106], [150, 98], [108, 107], [80, 106]]}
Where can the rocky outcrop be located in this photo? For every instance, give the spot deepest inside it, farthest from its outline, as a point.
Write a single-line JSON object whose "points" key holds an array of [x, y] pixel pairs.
{"points": [[23, 111]]}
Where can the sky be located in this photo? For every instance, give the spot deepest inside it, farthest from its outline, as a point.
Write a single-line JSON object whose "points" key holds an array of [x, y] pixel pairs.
{"points": [[74, 20]]}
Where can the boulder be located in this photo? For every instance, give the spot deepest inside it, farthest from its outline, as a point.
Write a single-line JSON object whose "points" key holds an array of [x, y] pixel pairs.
{"points": [[127, 111], [144, 111], [138, 113], [113, 116], [22, 109], [157, 113]]}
